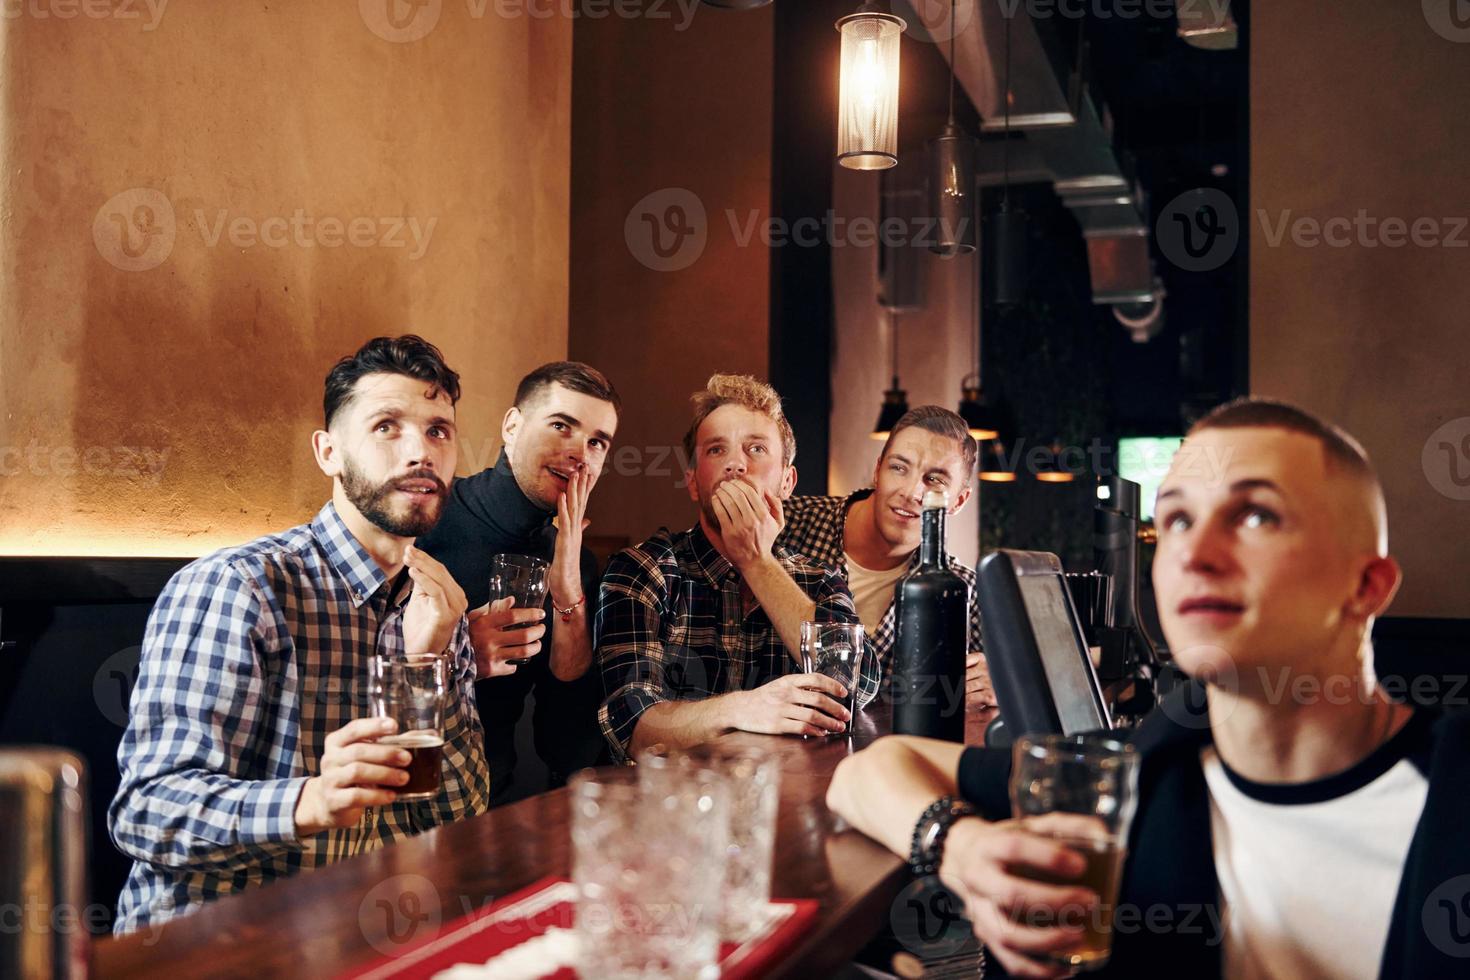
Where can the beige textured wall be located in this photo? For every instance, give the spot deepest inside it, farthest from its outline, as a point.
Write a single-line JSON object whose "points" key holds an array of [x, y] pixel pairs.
{"points": [[671, 113], [1366, 112], [209, 355]]}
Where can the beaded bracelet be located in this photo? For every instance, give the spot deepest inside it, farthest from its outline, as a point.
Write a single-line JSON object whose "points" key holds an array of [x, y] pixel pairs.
{"points": [[926, 850]]}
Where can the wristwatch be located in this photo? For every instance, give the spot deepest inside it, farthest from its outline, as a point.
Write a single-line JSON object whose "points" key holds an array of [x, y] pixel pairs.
{"points": [[927, 850]]}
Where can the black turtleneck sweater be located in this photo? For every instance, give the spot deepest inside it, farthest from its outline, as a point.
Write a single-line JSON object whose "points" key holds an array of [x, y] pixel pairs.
{"points": [[487, 514]]}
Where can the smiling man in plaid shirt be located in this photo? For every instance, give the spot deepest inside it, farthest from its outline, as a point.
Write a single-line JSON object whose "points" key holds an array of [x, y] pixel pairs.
{"points": [[249, 753], [699, 631], [871, 537]]}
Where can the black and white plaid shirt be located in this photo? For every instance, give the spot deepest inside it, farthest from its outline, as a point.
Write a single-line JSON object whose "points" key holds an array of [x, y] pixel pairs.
{"points": [[677, 623], [814, 528], [252, 656]]}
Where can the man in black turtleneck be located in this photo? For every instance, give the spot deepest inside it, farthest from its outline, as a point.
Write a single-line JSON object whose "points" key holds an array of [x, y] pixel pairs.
{"points": [[557, 438]]}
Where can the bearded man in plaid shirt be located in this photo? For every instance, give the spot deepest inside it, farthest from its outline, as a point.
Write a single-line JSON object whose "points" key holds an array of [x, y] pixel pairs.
{"points": [[699, 632], [249, 754], [871, 537]]}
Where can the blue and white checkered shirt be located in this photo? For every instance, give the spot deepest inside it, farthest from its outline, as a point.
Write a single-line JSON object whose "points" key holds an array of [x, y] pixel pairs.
{"points": [[252, 656]]}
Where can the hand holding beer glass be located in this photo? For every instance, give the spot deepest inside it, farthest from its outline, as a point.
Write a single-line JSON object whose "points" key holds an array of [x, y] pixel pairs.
{"points": [[523, 578], [410, 690], [836, 650], [1079, 791]]}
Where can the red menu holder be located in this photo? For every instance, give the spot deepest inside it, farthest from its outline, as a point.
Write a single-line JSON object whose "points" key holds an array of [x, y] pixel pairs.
{"points": [[538, 912]]}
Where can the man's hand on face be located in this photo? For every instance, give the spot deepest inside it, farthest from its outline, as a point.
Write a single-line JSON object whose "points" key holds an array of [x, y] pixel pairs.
{"points": [[495, 644], [797, 704], [750, 520], [565, 577], [435, 608], [979, 693], [356, 773]]}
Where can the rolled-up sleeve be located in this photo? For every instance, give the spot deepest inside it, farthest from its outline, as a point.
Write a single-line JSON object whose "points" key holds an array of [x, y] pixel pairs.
{"points": [[630, 651], [195, 717]]}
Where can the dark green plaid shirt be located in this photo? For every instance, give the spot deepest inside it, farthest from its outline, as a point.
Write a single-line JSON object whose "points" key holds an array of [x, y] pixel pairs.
{"points": [[677, 623]]}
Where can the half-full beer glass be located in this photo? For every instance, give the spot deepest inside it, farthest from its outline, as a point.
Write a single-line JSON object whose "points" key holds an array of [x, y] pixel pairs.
{"points": [[411, 691], [1081, 791]]}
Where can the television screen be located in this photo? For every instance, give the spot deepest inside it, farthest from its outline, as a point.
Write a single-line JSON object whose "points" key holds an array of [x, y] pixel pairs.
{"points": [[1145, 460]]}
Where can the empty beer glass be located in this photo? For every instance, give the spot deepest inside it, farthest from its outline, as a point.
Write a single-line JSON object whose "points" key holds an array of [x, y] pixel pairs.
{"points": [[753, 782], [648, 860], [837, 650], [521, 576]]}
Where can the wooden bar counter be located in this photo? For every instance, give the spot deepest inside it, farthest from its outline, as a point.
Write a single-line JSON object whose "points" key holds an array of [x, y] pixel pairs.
{"points": [[323, 922]]}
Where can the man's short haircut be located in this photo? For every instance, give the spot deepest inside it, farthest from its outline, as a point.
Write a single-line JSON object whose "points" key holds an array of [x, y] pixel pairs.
{"points": [[747, 392], [941, 422], [572, 375], [409, 355], [1342, 450]]}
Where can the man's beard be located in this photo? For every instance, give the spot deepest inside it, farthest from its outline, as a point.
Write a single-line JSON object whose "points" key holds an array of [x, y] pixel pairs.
{"points": [[372, 501]]}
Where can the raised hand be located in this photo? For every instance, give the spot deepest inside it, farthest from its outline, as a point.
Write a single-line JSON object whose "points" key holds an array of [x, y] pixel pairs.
{"points": [[565, 576], [435, 608], [750, 520]]}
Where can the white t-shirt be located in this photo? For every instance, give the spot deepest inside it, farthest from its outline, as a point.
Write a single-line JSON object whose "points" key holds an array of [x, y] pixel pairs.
{"points": [[1309, 872], [872, 592]]}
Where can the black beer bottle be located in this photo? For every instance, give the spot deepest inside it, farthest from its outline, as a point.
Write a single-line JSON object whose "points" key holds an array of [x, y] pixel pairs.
{"points": [[931, 609]]}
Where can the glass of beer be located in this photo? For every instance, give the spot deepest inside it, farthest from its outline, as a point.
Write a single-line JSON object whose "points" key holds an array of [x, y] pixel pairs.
{"points": [[1081, 791], [411, 691], [523, 577], [835, 649]]}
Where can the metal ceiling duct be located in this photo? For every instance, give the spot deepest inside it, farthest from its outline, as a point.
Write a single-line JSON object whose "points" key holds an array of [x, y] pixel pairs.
{"points": [[1067, 141], [1207, 24]]}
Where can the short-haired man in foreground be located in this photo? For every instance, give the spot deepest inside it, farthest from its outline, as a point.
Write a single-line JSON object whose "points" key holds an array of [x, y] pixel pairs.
{"points": [[1293, 821], [249, 754], [871, 536], [699, 632]]}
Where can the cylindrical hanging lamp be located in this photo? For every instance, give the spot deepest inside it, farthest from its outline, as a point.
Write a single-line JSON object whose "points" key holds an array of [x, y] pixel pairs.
{"points": [[867, 110]]}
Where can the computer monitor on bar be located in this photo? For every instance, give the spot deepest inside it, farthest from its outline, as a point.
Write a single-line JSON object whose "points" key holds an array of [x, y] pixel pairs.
{"points": [[1044, 679]]}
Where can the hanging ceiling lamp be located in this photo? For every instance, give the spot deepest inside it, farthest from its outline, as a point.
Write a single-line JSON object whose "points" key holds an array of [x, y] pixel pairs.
{"points": [[952, 174], [1050, 468], [994, 467], [867, 108], [895, 399], [984, 416], [1007, 225]]}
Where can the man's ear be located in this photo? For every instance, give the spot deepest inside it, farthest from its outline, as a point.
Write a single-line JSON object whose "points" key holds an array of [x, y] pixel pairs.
{"points": [[690, 484], [510, 427], [328, 456], [788, 482], [963, 498], [1377, 584]]}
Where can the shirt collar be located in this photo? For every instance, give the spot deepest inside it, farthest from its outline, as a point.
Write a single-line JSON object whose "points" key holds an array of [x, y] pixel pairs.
{"points": [[714, 566], [514, 512], [347, 556]]}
